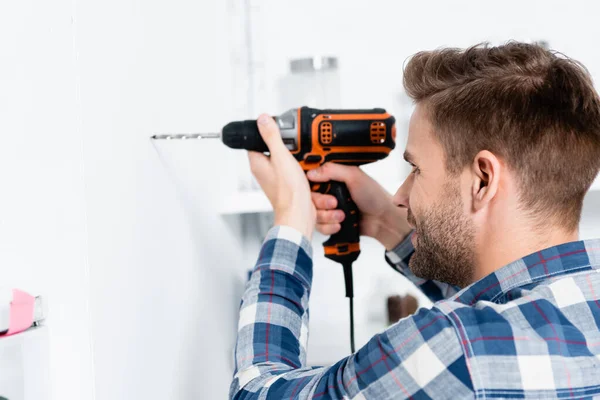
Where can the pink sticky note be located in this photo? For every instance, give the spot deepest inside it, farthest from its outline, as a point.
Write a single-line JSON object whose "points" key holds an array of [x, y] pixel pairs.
{"points": [[21, 312]]}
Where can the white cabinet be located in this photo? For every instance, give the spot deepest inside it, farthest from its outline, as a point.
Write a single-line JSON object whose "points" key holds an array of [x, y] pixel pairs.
{"points": [[24, 365]]}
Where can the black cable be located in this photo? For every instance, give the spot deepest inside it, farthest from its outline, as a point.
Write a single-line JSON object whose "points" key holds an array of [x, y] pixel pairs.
{"points": [[348, 281], [352, 324]]}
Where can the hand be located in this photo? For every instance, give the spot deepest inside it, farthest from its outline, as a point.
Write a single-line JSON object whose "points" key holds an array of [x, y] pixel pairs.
{"points": [[380, 219], [283, 181]]}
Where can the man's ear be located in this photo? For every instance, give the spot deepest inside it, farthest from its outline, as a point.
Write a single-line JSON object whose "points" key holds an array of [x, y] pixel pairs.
{"points": [[486, 169]]}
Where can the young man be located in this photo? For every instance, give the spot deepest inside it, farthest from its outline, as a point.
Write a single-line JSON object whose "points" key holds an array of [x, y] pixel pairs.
{"points": [[504, 144]]}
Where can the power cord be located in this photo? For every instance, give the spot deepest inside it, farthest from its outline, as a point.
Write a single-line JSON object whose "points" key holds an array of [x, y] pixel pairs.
{"points": [[348, 281]]}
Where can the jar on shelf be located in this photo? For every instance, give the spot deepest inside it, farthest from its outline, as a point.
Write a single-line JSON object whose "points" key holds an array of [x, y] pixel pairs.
{"points": [[311, 81]]}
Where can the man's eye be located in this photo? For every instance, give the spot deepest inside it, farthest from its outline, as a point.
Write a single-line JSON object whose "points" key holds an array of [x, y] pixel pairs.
{"points": [[415, 170]]}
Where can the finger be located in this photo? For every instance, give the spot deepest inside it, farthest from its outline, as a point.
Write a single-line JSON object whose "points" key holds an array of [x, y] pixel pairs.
{"points": [[330, 216], [332, 172], [324, 201], [270, 133], [260, 165], [328, 229]]}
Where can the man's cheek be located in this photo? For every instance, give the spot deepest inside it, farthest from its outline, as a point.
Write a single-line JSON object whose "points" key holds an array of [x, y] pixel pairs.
{"points": [[417, 203]]}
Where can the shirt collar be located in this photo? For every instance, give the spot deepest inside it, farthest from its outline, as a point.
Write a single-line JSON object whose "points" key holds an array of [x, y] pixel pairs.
{"points": [[554, 261]]}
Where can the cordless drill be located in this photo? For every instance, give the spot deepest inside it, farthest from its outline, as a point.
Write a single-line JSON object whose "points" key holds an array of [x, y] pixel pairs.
{"points": [[314, 137]]}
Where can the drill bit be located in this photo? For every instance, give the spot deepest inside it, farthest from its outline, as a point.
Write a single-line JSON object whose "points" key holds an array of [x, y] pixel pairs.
{"points": [[185, 136]]}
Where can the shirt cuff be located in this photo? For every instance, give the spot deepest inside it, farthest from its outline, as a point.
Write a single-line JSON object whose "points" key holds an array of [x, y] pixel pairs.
{"points": [[288, 250], [400, 254], [284, 232]]}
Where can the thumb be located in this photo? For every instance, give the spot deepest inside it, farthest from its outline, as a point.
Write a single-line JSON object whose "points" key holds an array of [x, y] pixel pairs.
{"points": [[332, 172], [270, 133]]}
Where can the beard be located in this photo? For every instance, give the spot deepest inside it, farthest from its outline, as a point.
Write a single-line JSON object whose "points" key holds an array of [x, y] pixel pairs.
{"points": [[444, 248]]}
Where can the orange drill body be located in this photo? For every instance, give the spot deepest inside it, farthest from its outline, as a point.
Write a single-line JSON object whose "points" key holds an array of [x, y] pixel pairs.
{"points": [[314, 137], [352, 137]]}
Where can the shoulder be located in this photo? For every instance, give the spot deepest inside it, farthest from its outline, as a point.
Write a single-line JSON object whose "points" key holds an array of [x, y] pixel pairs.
{"points": [[426, 333], [428, 347]]}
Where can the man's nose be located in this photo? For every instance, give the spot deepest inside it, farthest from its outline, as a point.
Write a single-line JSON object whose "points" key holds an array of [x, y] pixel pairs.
{"points": [[402, 195]]}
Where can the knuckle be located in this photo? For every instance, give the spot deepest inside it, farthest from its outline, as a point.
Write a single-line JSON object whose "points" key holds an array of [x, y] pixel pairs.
{"points": [[322, 216], [320, 202], [323, 202]]}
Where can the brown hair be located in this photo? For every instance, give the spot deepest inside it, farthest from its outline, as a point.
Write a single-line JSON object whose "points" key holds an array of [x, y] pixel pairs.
{"points": [[535, 109]]}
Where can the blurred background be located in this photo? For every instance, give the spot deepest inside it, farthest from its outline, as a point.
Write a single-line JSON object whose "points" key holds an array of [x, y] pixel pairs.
{"points": [[141, 249]]}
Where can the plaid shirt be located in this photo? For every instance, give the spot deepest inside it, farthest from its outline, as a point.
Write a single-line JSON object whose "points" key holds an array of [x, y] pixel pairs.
{"points": [[529, 330]]}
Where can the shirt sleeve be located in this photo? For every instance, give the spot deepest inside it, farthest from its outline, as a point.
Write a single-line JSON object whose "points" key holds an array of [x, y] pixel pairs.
{"points": [[419, 356], [398, 259]]}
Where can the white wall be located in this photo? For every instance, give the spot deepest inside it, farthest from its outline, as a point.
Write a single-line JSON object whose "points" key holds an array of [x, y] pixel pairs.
{"points": [[165, 285], [119, 234], [42, 210]]}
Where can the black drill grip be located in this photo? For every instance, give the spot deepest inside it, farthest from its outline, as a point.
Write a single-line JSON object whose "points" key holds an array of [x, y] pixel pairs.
{"points": [[346, 241]]}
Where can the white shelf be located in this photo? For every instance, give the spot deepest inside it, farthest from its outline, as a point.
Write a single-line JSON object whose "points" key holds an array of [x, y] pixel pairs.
{"points": [[255, 201], [24, 365], [245, 202]]}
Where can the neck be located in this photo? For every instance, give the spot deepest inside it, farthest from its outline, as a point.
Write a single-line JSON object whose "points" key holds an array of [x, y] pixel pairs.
{"points": [[500, 247]]}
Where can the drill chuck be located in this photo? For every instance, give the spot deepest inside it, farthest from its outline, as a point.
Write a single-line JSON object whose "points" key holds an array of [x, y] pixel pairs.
{"points": [[243, 135]]}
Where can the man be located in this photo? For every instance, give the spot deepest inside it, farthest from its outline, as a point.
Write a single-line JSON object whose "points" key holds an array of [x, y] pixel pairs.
{"points": [[504, 144]]}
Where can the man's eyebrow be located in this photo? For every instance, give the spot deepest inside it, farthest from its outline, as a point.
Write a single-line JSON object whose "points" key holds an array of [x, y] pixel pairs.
{"points": [[408, 157]]}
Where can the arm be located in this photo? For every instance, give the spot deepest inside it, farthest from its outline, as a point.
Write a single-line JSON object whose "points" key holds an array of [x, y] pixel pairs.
{"points": [[420, 353], [398, 259]]}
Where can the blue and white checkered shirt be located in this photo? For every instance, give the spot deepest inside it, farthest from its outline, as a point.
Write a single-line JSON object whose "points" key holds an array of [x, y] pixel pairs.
{"points": [[529, 330]]}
